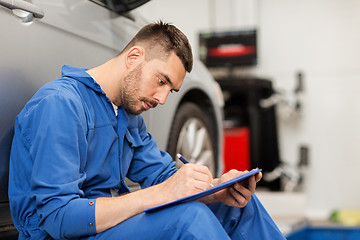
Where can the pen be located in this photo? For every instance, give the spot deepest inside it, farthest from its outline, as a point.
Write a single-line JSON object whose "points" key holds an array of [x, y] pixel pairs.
{"points": [[186, 161], [182, 158]]}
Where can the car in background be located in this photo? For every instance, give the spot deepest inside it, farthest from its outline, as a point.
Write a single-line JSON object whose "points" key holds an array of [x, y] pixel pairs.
{"points": [[38, 37]]}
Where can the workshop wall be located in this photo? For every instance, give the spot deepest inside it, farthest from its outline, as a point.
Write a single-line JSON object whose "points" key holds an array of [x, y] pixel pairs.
{"points": [[320, 38]]}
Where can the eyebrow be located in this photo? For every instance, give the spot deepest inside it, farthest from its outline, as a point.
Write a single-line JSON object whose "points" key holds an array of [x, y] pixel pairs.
{"points": [[169, 81]]}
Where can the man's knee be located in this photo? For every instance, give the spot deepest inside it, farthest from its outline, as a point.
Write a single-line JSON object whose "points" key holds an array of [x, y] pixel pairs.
{"points": [[198, 220], [195, 211]]}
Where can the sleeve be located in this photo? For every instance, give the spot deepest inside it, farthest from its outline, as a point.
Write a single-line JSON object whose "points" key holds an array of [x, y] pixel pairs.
{"points": [[55, 130], [149, 165]]}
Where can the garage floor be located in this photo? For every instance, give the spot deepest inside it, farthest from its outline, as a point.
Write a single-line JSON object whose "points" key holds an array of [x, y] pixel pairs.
{"points": [[286, 209]]}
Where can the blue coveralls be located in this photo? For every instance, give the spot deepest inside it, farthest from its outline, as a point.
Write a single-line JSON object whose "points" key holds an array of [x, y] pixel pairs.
{"points": [[70, 148]]}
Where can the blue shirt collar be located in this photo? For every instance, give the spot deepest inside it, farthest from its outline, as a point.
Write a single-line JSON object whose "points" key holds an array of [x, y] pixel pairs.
{"points": [[82, 76]]}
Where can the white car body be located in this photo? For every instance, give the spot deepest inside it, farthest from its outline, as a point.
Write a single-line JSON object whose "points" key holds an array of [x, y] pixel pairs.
{"points": [[83, 34]]}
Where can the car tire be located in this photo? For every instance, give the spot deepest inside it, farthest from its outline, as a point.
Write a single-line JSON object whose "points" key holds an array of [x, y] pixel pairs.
{"points": [[193, 137]]}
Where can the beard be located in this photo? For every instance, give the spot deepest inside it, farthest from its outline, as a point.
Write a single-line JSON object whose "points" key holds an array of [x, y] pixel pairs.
{"points": [[130, 99]]}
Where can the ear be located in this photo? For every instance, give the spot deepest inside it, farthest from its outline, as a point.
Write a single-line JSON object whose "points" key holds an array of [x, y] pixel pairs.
{"points": [[134, 55]]}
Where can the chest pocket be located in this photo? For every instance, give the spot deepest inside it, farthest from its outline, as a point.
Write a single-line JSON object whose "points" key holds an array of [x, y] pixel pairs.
{"points": [[132, 141]]}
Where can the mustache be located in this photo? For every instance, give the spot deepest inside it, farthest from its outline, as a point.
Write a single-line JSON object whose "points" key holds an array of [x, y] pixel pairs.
{"points": [[152, 103]]}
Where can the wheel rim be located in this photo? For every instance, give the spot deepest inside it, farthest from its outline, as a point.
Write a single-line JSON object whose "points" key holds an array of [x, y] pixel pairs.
{"points": [[195, 145]]}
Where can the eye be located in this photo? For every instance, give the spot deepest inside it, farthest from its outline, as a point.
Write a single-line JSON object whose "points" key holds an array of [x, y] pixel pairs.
{"points": [[161, 82], [164, 83]]}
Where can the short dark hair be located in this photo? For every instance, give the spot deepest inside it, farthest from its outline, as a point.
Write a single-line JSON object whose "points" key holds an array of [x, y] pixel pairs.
{"points": [[168, 38]]}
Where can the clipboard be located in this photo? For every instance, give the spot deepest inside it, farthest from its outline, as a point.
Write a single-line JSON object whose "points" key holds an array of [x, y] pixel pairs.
{"points": [[208, 191]]}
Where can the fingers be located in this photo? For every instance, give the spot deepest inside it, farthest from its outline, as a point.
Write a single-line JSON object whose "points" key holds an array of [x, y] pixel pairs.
{"points": [[201, 173], [258, 177], [233, 173], [242, 191], [240, 196], [251, 184], [198, 176]]}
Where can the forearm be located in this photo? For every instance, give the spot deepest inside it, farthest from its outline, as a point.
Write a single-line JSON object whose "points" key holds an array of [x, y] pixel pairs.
{"points": [[110, 211], [188, 180]]}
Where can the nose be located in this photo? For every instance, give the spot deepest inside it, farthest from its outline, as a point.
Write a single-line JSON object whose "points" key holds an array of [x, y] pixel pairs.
{"points": [[161, 96]]}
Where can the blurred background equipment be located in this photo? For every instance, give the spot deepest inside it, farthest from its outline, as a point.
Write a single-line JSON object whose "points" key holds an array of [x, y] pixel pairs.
{"points": [[250, 111]]}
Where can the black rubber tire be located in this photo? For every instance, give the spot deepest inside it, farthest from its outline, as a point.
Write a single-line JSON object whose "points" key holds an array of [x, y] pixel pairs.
{"points": [[191, 114]]}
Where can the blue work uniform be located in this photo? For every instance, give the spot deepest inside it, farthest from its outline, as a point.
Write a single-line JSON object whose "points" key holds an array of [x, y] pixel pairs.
{"points": [[70, 148]]}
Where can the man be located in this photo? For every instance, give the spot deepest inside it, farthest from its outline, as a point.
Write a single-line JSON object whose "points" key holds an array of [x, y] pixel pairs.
{"points": [[79, 136]]}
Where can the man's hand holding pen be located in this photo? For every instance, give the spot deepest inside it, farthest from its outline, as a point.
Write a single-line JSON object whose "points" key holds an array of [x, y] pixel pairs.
{"points": [[188, 180]]}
